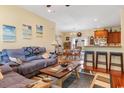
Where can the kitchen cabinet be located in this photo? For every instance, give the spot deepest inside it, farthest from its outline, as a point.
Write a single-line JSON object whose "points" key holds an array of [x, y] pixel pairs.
{"points": [[101, 33], [114, 37]]}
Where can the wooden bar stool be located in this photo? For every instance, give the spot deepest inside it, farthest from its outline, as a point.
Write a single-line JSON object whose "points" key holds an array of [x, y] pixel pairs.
{"points": [[100, 53], [117, 54], [86, 60]]}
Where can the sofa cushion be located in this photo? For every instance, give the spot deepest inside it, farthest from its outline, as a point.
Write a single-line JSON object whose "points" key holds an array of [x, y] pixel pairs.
{"points": [[14, 80], [15, 53], [42, 50], [28, 59], [29, 67], [12, 64], [51, 61], [5, 69]]}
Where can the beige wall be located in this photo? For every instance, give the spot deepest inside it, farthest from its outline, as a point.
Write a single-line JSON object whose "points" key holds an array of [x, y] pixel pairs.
{"points": [[15, 16], [85, 33]]}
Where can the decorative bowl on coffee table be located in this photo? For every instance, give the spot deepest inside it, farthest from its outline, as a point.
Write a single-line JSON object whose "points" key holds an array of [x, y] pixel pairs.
{"points": [[64, 64]]}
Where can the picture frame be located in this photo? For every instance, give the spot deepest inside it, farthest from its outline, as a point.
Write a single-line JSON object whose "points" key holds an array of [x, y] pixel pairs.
{"points": [[8, 33], [67, 38], [27, 31], [39, 30]]}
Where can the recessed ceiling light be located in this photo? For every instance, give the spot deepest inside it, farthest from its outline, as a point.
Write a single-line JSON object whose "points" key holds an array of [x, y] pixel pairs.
{"points": [[49, 10], [95, 19]]}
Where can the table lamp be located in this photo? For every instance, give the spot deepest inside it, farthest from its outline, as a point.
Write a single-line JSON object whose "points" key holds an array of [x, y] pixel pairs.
{"points": [[1, 76], [54, 43]]}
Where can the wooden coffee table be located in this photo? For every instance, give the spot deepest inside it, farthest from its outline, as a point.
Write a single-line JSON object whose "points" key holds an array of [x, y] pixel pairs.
{"points": [[62, 73]]}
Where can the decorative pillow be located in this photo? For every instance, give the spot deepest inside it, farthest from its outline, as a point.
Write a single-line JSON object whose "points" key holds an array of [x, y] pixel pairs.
{"points": [[28, 51], [19, 61], [1, 76], [5, 69], [13, 59], [16, 60], [36, 50], [45, 55]]}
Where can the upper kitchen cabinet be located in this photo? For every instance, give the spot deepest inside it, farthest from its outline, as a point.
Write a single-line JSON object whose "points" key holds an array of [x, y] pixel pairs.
{"points": [[101, 33], [114, 37]]}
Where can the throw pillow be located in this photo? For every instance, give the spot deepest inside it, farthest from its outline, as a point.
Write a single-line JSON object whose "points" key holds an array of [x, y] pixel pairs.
{"points": [[45, 55], [19, 61], [13, 59], [28, 51], [16, 60]]}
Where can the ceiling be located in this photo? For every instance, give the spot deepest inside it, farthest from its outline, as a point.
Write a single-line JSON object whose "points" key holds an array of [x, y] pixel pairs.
{"points": [[79, 17]]}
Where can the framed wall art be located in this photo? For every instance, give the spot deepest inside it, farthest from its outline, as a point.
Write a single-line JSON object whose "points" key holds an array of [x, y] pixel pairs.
{"points": [[8, 33], [39, 30], [27, 31], [67, 38]]}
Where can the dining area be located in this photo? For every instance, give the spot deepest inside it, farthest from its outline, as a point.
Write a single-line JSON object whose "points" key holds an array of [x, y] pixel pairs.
{"points": [[73, 54]]}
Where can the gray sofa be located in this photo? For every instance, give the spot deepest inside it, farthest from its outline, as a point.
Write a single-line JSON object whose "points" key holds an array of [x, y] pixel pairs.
{"points": [[12, 79], [31, 57]]}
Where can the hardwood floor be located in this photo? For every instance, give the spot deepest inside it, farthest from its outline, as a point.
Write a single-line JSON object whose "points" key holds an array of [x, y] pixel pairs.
{"points": [[117, 78]]}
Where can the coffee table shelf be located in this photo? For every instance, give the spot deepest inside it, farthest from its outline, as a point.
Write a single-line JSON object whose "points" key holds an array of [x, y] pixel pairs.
{"points": [[62, 74]]}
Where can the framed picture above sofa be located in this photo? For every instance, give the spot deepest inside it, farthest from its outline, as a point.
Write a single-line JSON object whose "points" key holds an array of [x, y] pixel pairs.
{"points": [[27, 31], [8, 33], [39, 30]]}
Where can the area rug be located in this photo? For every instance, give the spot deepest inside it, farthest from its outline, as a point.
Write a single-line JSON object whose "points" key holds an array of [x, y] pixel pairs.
{"points": [[84, 81]]}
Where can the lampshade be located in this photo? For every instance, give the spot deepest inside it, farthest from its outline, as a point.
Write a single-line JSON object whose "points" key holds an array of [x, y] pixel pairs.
{"points": [[1, 76], [54, 43]]}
